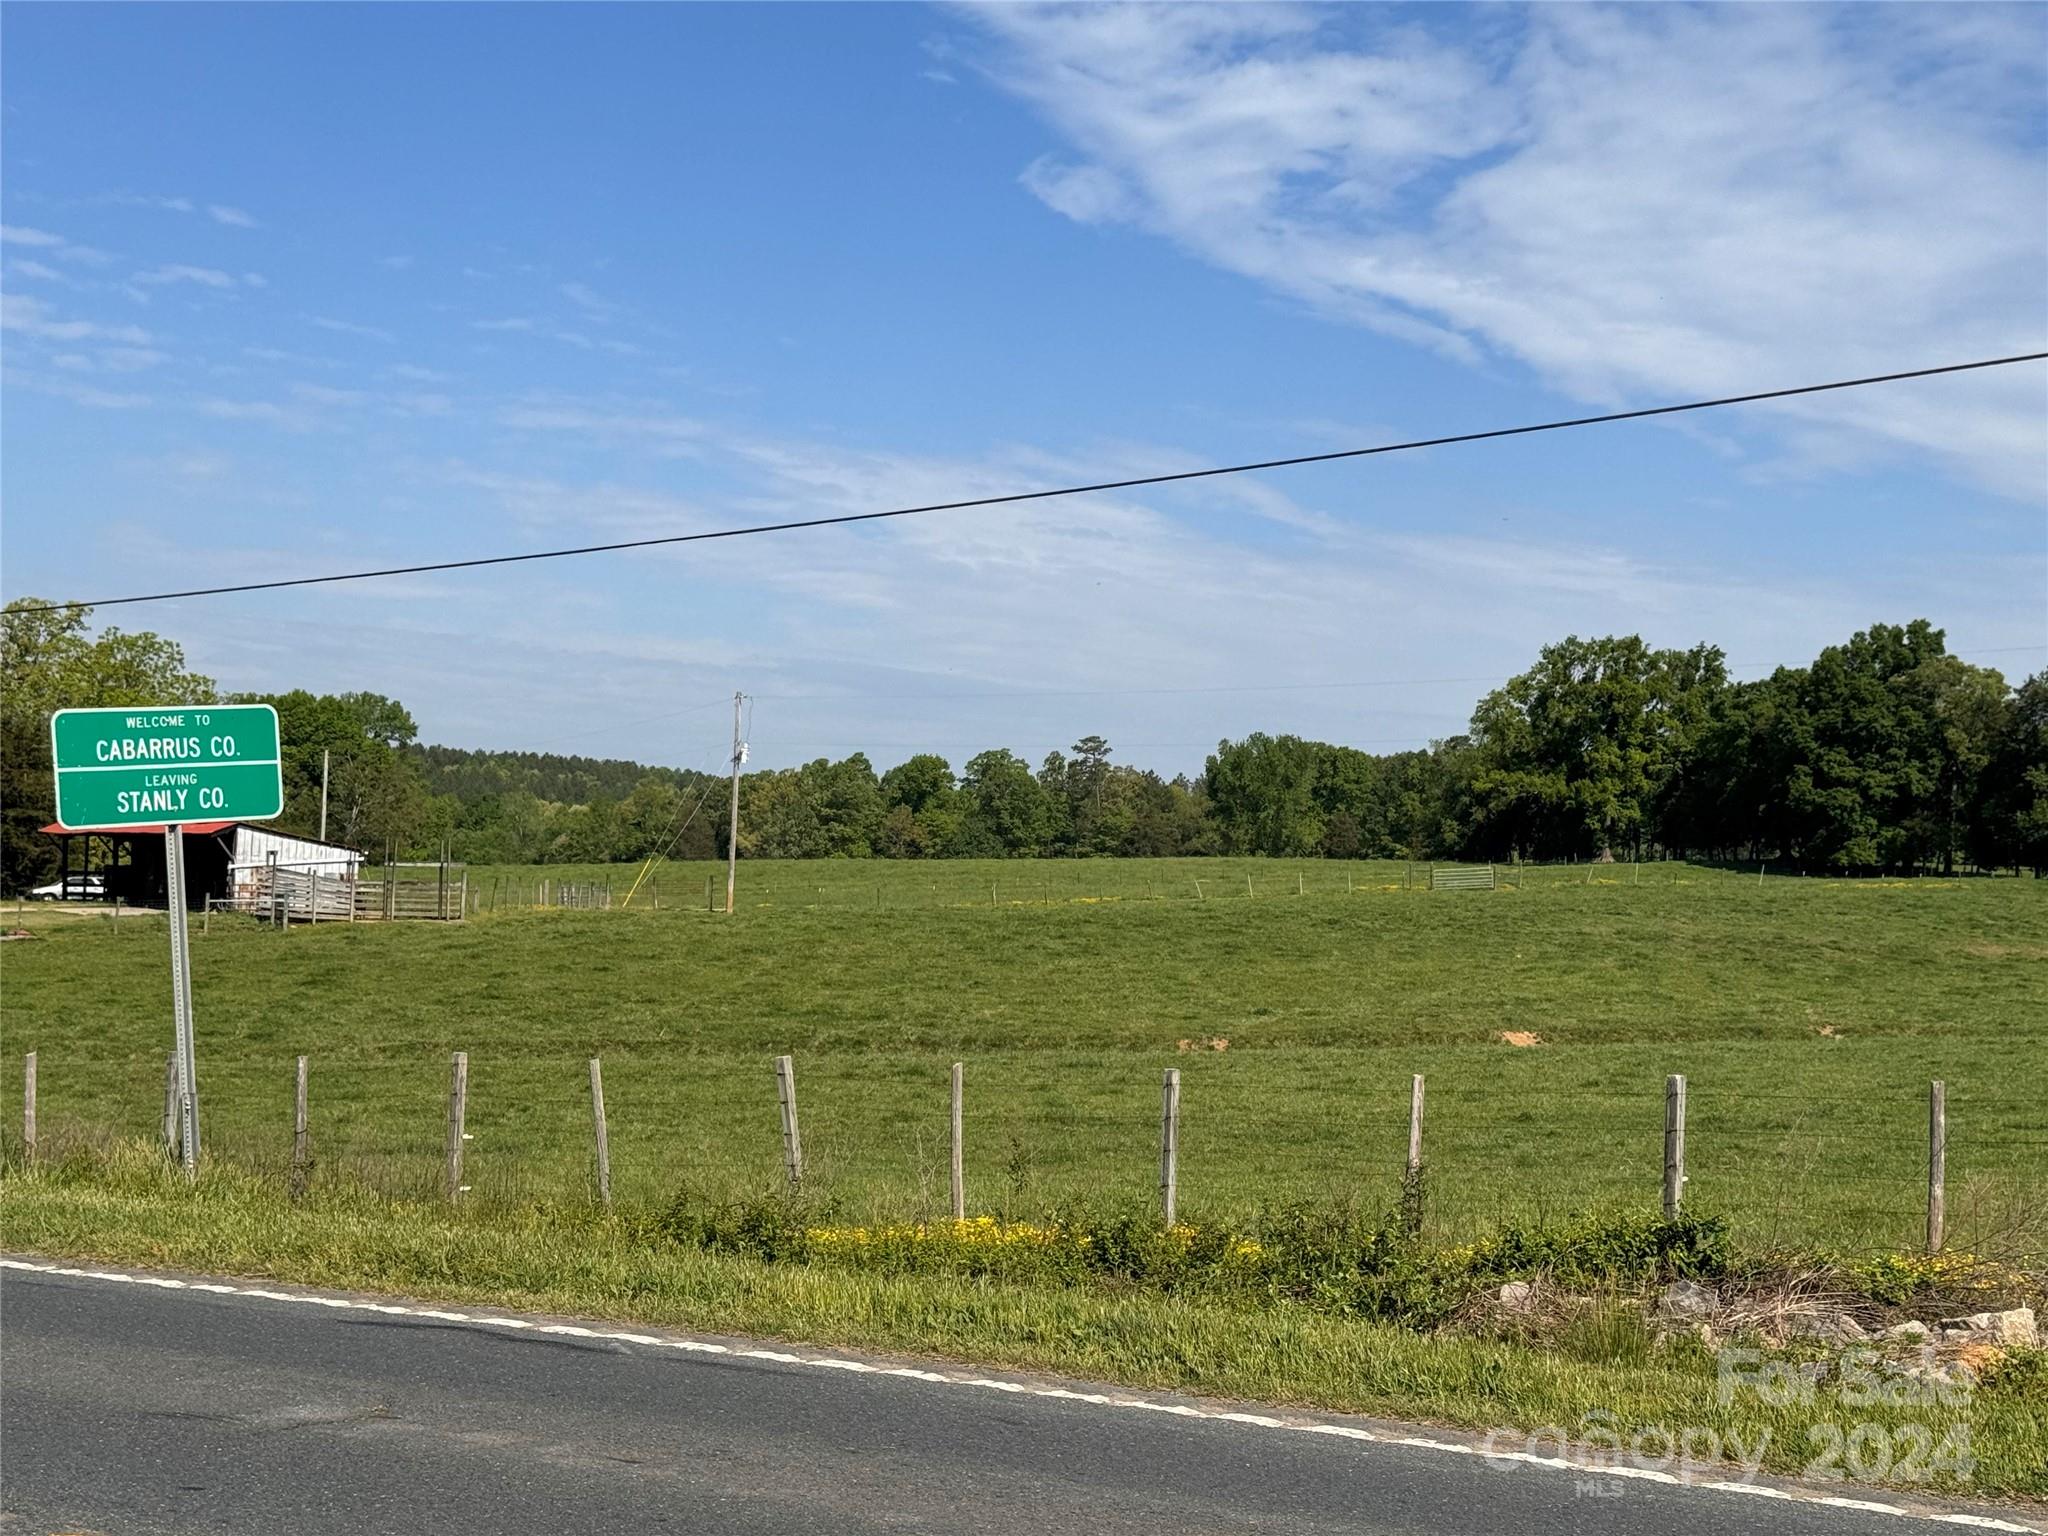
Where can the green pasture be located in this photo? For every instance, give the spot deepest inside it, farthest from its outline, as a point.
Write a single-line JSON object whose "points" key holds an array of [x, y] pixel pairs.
{"points": [[1808, 1016]]}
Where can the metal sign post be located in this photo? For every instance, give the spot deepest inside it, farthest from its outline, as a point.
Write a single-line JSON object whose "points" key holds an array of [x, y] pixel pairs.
{"points": [[181, 1000], [159, 765]]}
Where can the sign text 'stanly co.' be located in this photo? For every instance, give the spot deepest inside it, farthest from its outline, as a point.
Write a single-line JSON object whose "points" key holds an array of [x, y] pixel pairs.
{"points": [[130, 767]]}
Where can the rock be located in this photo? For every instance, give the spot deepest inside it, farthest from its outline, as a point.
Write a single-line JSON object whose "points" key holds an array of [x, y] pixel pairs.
{"points": [[1518, 1296], [1687, 1299], [1912, 1329], [2014, 1327], [1837, 1327]]}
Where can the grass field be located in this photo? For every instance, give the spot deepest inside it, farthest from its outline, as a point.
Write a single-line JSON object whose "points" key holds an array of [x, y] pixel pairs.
{"points": [[1808, 1016]]}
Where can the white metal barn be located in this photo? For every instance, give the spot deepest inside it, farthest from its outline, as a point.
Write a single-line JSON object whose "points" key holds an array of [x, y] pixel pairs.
{"points": [[254, 851], [227, 863]]}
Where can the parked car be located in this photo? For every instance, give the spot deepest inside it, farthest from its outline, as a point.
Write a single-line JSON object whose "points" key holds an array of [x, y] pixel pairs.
{"points": [[72, 888]]}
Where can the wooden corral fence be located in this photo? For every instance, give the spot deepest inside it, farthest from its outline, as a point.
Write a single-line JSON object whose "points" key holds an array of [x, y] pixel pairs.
{"points": [[282, 895], [441, 899]]}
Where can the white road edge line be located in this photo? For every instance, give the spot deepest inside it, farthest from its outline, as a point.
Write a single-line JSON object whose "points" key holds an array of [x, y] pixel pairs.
{"points": [[941, 1378]]}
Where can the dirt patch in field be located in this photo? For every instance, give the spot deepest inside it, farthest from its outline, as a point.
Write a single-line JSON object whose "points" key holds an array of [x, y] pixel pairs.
{"points": [[2006, 951], [1220, 1043], [1519, 1037]]}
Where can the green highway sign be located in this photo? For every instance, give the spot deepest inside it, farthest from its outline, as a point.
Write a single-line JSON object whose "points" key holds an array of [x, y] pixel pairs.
{"points": [[169, 763]]}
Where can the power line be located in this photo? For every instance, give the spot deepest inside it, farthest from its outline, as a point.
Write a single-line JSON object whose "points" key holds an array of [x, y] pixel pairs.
{"points": [[1129, 483]]}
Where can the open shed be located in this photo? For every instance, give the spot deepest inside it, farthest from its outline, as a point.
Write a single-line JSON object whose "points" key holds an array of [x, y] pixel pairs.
{"points": [[228, 861]]}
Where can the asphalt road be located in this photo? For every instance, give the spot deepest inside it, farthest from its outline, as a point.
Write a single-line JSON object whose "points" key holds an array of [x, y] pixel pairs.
{"points": [[126, 1408]]}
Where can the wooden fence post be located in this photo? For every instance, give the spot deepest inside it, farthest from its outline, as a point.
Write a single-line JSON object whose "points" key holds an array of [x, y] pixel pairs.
{"points": [[604, 1144], [28, 1106], [300, 1159], [1169, 1144], [458, 1111], [171, 1105], [1674, 1144], [792, 1142], [1937, 1164], [959, 1174]]}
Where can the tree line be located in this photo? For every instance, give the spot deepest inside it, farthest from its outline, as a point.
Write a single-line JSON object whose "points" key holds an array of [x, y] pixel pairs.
{"points": [[1885, 753]]}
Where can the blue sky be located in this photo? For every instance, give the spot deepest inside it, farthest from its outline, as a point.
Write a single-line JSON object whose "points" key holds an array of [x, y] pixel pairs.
{"points": [[298, 289]]}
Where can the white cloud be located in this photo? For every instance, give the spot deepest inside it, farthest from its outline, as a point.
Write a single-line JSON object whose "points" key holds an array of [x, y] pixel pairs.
{"points": [[144, 200], [1644, 202], [617, 510], [192, 465], [351, 328], [394, 263], [39, 272], [589, 301], [77, 392], [1087, 194], [244, 410], [55, 245], [526, 325], [660, 430], [131, 359], [1103, 596], [322, 394], [220, 213], [178, 272], [109, 360], [295, 359], [1138, 595], [32, 317]]}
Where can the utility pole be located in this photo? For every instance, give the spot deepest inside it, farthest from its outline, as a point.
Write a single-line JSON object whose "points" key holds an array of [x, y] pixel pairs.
{"points": [[732, 836], [323, 794]]}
